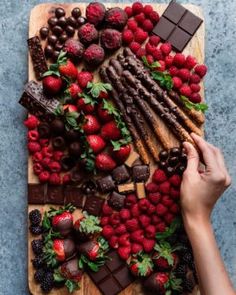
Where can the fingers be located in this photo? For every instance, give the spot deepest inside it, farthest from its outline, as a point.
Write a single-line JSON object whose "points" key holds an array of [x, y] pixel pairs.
{"points": [[222, 166], [193, 158]]}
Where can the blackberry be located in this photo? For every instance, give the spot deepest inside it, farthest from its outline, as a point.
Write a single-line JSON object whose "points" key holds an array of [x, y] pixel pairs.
{"points": [[192, 265], [36, 230], [48, 282], [188, 285], [39, 275], [38, 262], [181, 271], [35, 217], [37, 246], [187, 258]]}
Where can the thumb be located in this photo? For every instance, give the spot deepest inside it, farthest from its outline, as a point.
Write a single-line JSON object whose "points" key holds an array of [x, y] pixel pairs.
{"points": [[193, 157]]}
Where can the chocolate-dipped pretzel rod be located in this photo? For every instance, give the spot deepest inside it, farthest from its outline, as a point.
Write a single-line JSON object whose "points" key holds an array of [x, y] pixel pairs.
{"points": [[135, 135]]}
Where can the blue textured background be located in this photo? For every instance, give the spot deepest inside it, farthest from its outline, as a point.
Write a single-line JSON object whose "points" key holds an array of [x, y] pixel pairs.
{"points": [[220, 130]]}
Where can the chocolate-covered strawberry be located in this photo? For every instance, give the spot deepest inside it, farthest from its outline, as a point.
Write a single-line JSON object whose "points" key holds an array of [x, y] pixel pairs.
{"points": [[141, 265]]}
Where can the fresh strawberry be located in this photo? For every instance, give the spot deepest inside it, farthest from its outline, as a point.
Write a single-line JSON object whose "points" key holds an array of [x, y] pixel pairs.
{"points": [[107, 231], [124, 252], [96, 143], [161, 210], [137, 236], [124, 214], [70, 108], [120, 230], [103, 95], [104, 162], [86, 105], [141, 265], [175, 180], [130, 200], [113, 242], [148, 244], [167, 201], [67, 69], [106, 210], [73, 90], [152, 187], [91, 125], [122, 154], [164, 257], [135, 212], [52, 84], [164, 187], [110, 131], [154, 198], [104, 114], [144, 220], [62, 219], [83, 78], [150, 231], [144, 204], [159, 176], [123, 240], [136, 248], [132, 225], [31, 122], [174, 193]]}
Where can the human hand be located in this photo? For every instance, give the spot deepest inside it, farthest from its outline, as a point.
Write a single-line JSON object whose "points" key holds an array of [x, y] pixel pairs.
{"points": [[201, 189]]}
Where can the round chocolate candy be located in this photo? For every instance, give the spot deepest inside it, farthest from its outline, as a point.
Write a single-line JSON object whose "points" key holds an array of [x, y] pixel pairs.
{"points": [[71, 21], [89, 187], [57, 127], [55, 55], [63, 38], [57, 30], [58, 143], [48, 51], [170, 171], [162, 164], [75, 149], [70, 31], [173, 161], [58, 46], [180, 170], [52, 21], [59, 12], [62, 22], [71, 135], [44, 31], [44, 130], [76, 12], [163, 155], [52, 39], [183, 158], [81, 21], [67, 163], [175, 152]]}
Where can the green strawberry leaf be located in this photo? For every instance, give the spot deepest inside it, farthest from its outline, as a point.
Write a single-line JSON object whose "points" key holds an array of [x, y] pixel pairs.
{"points": [[58, 277], [88, 99], [110, 108], [72, 286], [90, 224], [96, 88], [46, 223], [202, 107]]}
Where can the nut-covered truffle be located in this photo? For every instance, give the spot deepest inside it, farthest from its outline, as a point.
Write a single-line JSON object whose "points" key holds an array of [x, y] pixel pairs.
{"points": [[116, 18], [88, 34], [95, 13], [94, 55], [111, 39]]}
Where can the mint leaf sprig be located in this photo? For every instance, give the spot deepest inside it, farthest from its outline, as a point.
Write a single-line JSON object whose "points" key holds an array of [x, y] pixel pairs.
{"points": [[163, 78], [152, 66], [202, 107]]}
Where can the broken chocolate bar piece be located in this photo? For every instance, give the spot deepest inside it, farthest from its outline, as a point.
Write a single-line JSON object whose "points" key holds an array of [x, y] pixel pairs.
{"points": [[73, 195], [141, 173], [116, 201], [106, 184], [126, 188], [140, 190], [131, 159], [120, 174], [36, 102], [36, 193], [190, 23], [93, 205], [55, 195], [37, 56]]}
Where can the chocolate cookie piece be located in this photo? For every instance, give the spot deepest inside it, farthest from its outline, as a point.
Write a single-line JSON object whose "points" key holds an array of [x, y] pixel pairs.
{"points": [[36, 193], [55, 195], [74, 196], [116, 201], [141, 173], [93, 205], [106, 184], [120, 174]]}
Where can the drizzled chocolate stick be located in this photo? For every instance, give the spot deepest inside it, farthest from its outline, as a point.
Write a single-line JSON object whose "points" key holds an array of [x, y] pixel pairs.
{"points": [[135, 135]]}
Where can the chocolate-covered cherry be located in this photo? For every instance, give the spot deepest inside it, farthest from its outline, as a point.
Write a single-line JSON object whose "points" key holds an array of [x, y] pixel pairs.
{"points": [[170, 171], [52, 39], [162, 164], [81, 21], [67, 163], [59, 12], [62, 22], [44, 130], [63, 38], [72, 21], [44, 31], [48, 51], [163, 155], [173, 161], [75, 149], [58, 46], [76, 12], [70, 30], [57, 30], [58, 143], [55, 55], [57, 127], [71, 135]]}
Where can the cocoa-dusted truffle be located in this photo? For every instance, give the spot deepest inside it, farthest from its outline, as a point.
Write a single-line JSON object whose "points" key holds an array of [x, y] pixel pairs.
{"points": [[94, 55], [116, 18], [74, 49], [95, 13], [111, 39], [88, 34]]}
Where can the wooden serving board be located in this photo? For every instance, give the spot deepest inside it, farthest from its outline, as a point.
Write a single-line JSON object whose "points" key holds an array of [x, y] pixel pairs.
{"points": [[38, 18]]}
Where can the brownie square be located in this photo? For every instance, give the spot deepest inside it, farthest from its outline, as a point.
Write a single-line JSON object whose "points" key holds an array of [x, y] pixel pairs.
{"points": [[120, 174], [190, 23], [106, 184], [174, 12], [55, 195], [179, 39], [74, 196], [36, 193], [163, 28], [141, 173], [93, 205]]}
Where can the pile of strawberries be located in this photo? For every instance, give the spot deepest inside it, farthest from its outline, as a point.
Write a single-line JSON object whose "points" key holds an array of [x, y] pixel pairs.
{"points": [[134, 228]]}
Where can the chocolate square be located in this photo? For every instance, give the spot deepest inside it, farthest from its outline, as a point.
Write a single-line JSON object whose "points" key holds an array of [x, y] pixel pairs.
{"points": [[114, 261], [120, 174], [93, 205], [36, 193], [55, 195], [74, 196], [174, 12], [190, 23], [179, 39], [110, 286], [124, 276], [164, 28], [99, 275], [141, 173], [106, 184], [116, 201]]}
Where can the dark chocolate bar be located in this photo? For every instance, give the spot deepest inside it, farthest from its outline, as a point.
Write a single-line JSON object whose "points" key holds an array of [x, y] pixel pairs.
{"points": [[174, 12], [141, 173], [106, 184], [190, 22], [55, 195], [36, 193], [120, 174], [73, 195], [93, 205], [116, 201], [36, 102], [37, 56], [179, 39]]}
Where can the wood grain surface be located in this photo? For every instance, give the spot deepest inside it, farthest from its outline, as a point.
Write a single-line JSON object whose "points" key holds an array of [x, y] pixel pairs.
{"points": [[38, 18]]}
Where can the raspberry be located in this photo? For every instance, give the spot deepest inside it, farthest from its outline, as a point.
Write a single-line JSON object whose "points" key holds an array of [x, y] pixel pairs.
{"points": [[44, 176], [154, 40], [150, 48], [143, 204], [127, 36], [135, 212], [137, 236], [128, 11], [173, 71], [150, 231], [167, 201], [55, 179], [47, 152], [113, 242], [166, 48], [31, 123], [162, 68], [169, 217], [156, 219], [195, 98], [140, 18], [44, 142], [185, 90], [175, 180], [66, 179], [135, 248], [147, 10], [141, 52], [140, 36], [154, 17], [159, 176], [169, 60], [132, 225], [161, 227], [174, 208], [184, 74], [33, 135], [195, 87], [134, 46], [34, 147], [164, 187], [54, 166], [190, 62], [201, 70], [37, 157], [177, 82], [174, 193], [179, 60], [123, 240], [130, 200], [107, 210], [161, 210], [150, 59], [124, 214], [120, 230], [157, 54], [152, 187], [57, 155], [137, 8], [151, 209], [154, 198], [37, 168], [132, 25], [147, 25], [144, 220], [107, 231], [148, 244], [194, 78], [45, 162]]}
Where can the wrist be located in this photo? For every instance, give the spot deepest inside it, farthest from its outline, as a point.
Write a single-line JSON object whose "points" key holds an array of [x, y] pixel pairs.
{"points": [[197, 221]]}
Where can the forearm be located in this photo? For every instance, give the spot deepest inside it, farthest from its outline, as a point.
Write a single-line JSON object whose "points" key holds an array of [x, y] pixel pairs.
{"points": [[212, 274]]}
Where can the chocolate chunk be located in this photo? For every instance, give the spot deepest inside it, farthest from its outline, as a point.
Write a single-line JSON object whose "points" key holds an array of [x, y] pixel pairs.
{"points": [[116, 201], [120, 174], [37, 56], [93, 205], [106, 184], [174, 12], [110, 286], [190, 23], [34, 100], [124, 277], [74, 196], [55, 195], [141, 173], [179, 39], [164, 28], [36, 193], [126, 188]]}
